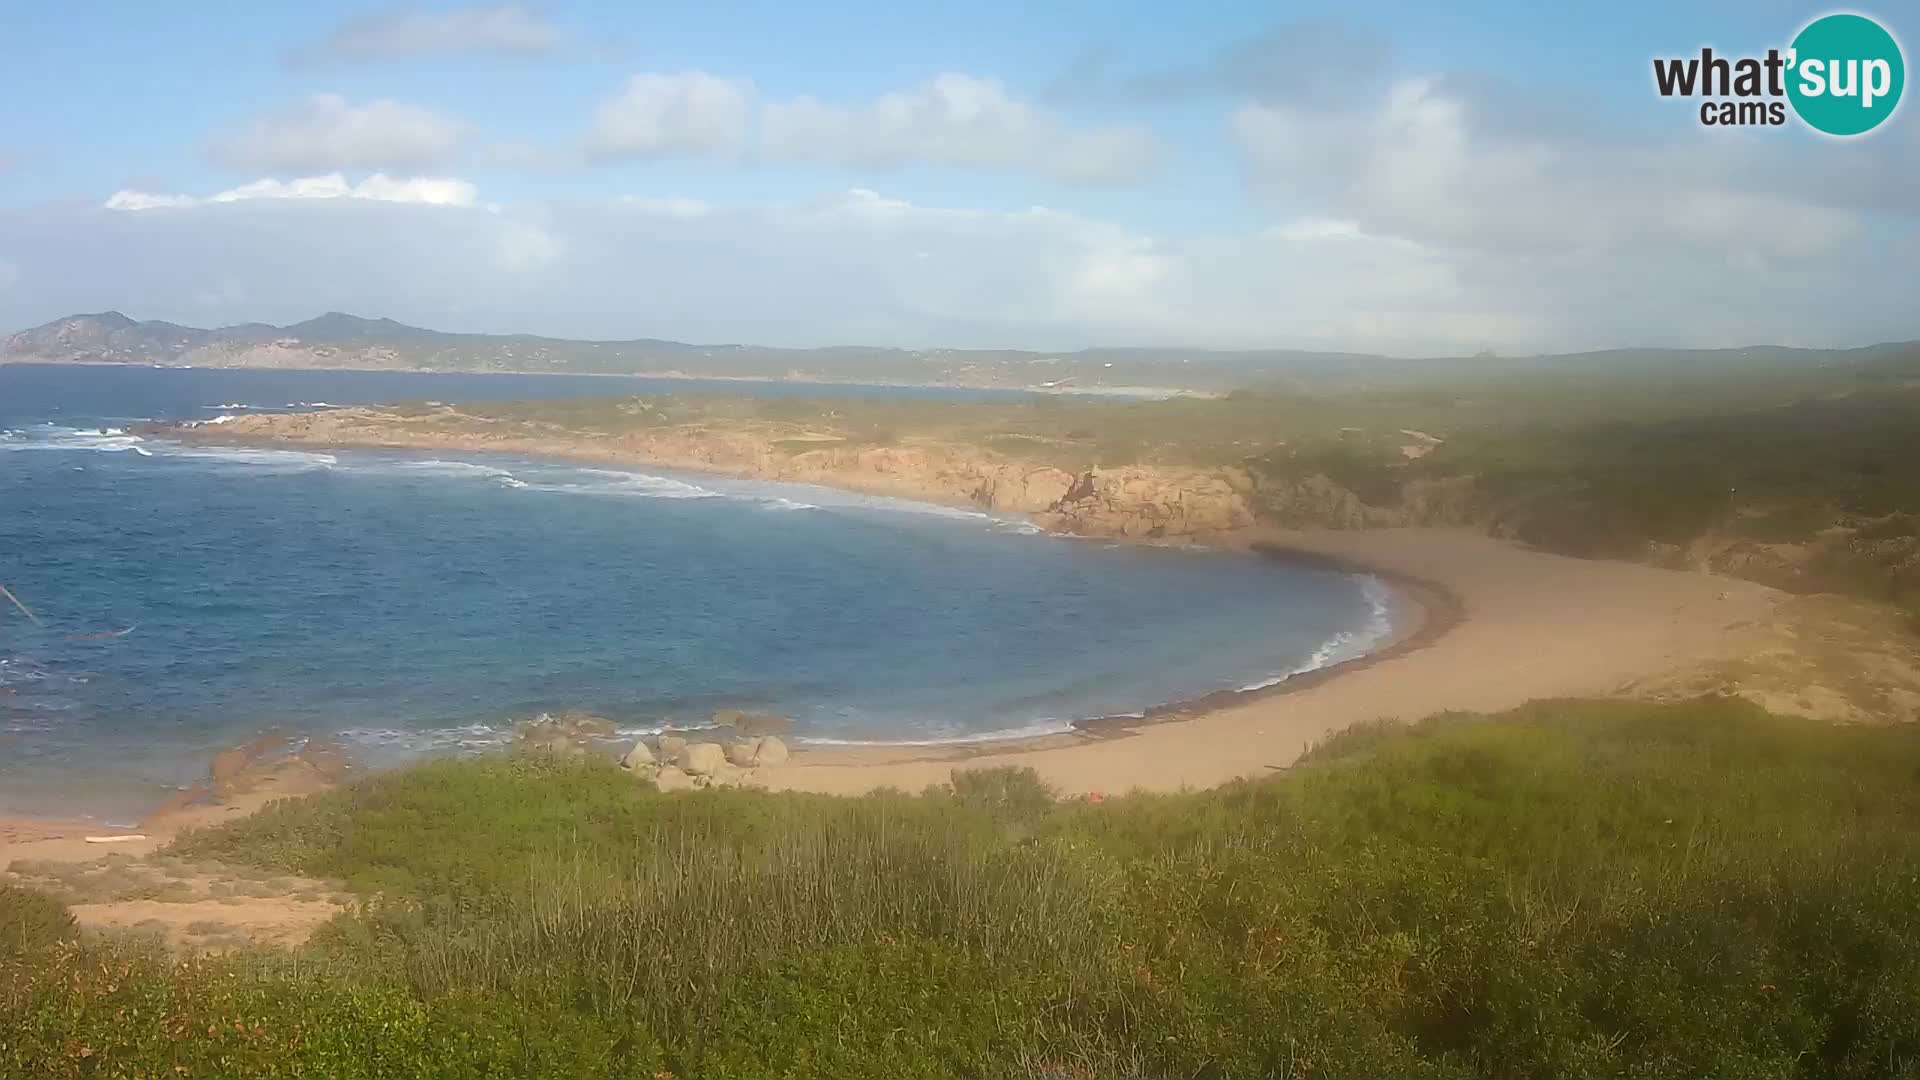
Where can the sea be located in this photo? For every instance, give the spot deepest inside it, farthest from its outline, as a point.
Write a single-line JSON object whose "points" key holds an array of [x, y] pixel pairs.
{"points": [[185, 598]]}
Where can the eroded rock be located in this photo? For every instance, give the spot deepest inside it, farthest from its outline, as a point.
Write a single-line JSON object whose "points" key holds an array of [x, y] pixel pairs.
{"points": [[640, 756], [702, 759], [672, 779]]}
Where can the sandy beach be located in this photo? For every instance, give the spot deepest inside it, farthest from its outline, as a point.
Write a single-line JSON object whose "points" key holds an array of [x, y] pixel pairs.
{"points": [[1528, 626]]}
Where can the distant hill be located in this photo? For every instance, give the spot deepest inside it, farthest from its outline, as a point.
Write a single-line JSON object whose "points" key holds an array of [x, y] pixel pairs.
{"points": [[340, 340]]}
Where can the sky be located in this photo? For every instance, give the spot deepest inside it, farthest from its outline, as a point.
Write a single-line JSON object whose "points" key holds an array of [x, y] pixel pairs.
{"points": [[1376, 175]]}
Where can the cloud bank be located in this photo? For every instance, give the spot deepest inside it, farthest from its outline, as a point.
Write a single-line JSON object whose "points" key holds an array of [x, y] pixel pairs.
{"points": [[327, 132], [506, 29], [860, 266]]}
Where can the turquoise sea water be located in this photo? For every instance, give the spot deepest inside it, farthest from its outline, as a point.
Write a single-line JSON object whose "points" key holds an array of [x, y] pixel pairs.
{"points": [[192, 596]]}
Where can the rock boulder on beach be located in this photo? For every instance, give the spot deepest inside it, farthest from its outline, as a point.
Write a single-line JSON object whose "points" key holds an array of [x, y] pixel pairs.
{"points": [[770, 750], [750, 722], [639, 757], [672, 779], [702, 759]]}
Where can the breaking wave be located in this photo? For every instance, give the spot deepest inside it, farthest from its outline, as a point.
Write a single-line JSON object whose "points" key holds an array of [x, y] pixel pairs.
{"points": [[1347, 644]]}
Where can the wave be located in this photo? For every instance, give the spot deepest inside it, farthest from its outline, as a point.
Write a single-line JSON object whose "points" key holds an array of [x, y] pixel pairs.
{"points": [[436, 467], [1347, 644], [275, 460], [627, 485], [115, 440], [1036, 729], [429, 740], [108, 440]]}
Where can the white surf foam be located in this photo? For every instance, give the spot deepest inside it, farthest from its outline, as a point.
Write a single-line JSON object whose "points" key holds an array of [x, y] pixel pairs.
{"points": [[1347, 644], [274, 460], [436, 467], [612, 483], [1037, 729], [429, 740], [53, 437]]}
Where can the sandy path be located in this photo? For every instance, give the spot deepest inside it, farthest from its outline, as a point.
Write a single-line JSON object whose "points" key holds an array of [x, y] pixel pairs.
{"points": [[1532, 626]]}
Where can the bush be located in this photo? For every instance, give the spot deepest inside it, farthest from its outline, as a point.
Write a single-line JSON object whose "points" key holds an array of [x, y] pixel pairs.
{"points": [[1005, 790], [31, 920], [1569, 889], [125, 1011]]}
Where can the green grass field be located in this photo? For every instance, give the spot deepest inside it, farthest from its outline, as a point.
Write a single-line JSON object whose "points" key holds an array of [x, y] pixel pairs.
{"points": [[1571, 889]]}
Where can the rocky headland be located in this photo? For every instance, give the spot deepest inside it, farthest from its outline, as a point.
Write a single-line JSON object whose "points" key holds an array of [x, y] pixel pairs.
{"points": [[1143, 502]]}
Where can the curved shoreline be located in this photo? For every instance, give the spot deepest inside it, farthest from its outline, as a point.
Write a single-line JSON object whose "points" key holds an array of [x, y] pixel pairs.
{"points": [[1430, 608], [1204, 740]]}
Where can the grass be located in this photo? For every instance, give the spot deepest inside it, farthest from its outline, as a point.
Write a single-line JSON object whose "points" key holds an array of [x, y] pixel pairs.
{"points": [[1573, 888]]}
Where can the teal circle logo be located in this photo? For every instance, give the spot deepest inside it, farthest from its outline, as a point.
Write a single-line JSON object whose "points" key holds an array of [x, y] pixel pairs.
{"points": [[1845, 74]]}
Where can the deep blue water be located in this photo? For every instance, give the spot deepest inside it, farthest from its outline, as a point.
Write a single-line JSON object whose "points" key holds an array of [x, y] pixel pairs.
{"points": [[412, 604]]}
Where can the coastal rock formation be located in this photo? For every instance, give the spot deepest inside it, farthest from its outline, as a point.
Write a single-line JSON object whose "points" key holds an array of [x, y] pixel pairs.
{"points": [[1143, 502], [702, 759], [741, 753], [1022, 489], [640, 756], [670, 746], [567, 733], [751, 722], [1136, 501], [672, 779], [770, 750]]}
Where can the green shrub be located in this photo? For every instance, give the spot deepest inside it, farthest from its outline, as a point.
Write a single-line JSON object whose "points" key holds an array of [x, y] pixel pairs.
{"points": [[120, 1011], [1569, 889], [31, 920], [1005, 790]]}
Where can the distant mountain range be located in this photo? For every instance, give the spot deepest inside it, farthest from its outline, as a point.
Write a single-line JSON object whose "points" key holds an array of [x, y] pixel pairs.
{"points": [[340, 340]]}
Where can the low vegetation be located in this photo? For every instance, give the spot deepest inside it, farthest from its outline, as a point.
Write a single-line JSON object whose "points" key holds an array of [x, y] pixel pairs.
{"points": [[1571, 889]]}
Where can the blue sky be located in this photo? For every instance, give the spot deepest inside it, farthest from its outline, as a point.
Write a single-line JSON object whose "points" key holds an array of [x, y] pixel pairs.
{"points": [[1402, 177]]}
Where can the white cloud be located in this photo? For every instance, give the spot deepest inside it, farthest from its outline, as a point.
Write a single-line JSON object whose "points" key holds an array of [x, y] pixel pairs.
{"points": [[327, 132], [687, 112], [142, 200], [671, 206], [1431, 163], [954, 119], [502, 29], [428, 191], [862, 266]]}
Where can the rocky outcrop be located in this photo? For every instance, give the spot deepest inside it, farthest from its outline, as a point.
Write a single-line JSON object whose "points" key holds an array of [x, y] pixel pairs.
{"points": [[670, 778], [769, 751], [1021, 489], [1144, 502], [702, 759], [1135, 501], [567, 734], [639, 757], [751, 722]]}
